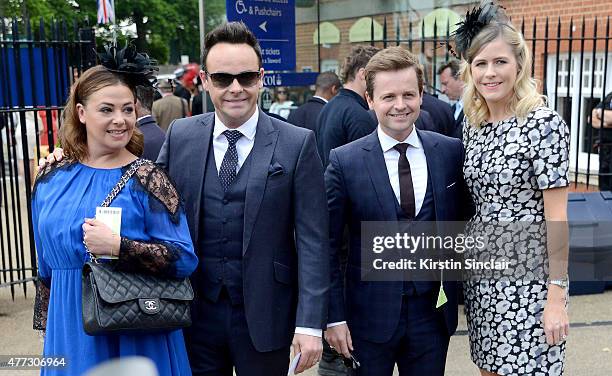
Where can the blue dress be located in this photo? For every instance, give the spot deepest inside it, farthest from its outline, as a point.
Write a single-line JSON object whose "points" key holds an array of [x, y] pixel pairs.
{"points": [[151, 216]]}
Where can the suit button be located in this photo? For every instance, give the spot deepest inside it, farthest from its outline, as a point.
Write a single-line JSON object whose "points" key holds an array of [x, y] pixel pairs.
{"points": [[225, 240], [225, 201], [225, 259], [224, 220], [219, 278]]}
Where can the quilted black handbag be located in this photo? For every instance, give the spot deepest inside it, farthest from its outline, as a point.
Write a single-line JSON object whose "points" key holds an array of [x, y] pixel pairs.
{"points": [[119, 301]]}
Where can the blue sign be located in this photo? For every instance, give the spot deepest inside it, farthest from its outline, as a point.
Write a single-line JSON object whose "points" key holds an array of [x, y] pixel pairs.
{"points": [[290, 79], [273, 23]]}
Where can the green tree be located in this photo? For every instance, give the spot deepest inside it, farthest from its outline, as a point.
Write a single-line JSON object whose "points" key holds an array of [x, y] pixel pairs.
{"points": [[161, 25]]}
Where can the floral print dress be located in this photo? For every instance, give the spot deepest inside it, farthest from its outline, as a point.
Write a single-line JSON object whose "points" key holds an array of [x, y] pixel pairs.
{"points": [[507, 166]]}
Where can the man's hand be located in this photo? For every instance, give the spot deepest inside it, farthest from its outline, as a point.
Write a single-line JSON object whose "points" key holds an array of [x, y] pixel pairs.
{"points": [[339, 338], [311, 348], [56, 156]]}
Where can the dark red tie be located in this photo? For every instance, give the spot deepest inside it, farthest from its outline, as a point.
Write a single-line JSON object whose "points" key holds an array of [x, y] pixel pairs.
{"points": [[405, 182]]}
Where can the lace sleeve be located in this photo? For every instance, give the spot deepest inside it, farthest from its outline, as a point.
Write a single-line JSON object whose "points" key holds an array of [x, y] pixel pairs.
{"points": [[162, 193], [149, 257], [41, 304], [44, 174]]}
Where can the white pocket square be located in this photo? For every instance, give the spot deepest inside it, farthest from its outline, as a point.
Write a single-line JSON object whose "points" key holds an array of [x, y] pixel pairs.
{"points": [[451, 185]]}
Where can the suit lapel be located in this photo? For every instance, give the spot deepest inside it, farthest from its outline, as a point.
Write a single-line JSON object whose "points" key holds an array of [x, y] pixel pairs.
{"points": [[261, 157], [377, 169], [435, 165], [202, 131]]}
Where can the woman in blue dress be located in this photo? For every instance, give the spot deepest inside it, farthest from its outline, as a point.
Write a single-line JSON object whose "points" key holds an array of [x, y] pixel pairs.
{"points": [[100, 142]]}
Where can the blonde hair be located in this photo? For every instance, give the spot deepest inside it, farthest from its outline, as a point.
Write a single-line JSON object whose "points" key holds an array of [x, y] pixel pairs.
{"points": [[72, 134], [525, 97]]}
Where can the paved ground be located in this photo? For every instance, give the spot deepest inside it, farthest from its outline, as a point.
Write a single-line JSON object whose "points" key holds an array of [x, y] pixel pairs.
{"points": [[589, 345]]}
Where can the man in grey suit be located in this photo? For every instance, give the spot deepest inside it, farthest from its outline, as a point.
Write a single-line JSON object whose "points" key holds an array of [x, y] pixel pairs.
{"points": [[257, 212]]}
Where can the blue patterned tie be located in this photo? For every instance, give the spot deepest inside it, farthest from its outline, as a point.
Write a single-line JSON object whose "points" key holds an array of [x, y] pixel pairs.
{"points": [[227, 172]]}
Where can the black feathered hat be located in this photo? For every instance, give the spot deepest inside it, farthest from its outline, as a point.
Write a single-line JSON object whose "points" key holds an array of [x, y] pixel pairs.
{"points": [[476, 20], [136, 68]]}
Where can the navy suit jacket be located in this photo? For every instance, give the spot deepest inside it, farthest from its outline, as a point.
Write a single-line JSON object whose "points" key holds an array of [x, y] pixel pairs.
{"points": [[285, 266], [306, 115], [153, 137], [441, 113], [458, 131], [344, 119], [358, 189]]}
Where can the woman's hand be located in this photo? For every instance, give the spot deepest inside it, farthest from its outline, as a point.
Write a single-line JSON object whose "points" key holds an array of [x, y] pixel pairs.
{"points": [[99, 238], [555, 317]]}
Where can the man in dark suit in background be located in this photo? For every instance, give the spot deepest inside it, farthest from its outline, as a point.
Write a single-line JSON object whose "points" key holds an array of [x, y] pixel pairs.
{"points": [[153, 135], [440, 112], [345, 118], [256, 208], [327, 86], [397, 173], [452, 86]]}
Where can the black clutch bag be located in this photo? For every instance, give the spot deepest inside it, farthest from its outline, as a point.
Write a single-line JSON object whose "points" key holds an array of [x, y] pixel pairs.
{"points": [[120, 301]]}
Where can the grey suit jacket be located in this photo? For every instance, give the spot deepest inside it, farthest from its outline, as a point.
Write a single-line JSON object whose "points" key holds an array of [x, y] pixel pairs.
{"points": [[285, 238]]}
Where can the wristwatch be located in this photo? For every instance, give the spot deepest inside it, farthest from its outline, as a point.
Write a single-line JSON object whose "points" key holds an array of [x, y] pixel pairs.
{"points": [[563, 283]]}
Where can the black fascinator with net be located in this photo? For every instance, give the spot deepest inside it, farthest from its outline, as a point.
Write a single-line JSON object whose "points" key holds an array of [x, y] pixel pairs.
{"points": [[138, 69], [475, 20]]}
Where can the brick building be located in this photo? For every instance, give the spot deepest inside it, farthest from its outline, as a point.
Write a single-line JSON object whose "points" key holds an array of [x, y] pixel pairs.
{"points": [[574, 72]]}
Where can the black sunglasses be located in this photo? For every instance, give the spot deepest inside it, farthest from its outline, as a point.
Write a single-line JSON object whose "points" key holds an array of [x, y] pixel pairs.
{"points": [[223, 80]]}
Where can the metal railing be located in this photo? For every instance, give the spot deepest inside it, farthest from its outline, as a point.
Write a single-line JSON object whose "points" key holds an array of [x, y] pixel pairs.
{"points": [[38, 67], [571, 66]]}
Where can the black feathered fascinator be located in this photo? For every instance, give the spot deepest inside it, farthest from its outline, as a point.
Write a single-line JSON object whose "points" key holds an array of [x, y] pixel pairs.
{"points": [[475, 20], [137, 68]]}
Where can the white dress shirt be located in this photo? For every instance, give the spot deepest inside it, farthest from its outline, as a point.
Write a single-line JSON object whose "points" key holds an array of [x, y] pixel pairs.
{"points": [[321, 98], [244, 145], [458, 108], [418, 165]]}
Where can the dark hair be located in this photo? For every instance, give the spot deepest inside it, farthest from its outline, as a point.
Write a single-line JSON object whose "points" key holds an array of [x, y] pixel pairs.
{"points": [[357, 59], [389, 60], [454, 66], [72, 134], [233, 33], [327, 80], [145, 95]]}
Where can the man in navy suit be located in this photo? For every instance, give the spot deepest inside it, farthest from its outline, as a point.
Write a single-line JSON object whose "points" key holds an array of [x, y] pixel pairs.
{"points": [[327, 86], [452, 85], [153, 135], [256, 208], [397, 173]]}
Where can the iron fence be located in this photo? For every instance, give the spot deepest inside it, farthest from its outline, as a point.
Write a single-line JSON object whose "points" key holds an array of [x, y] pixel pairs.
{"points": [[38, 67], [571, 64]]}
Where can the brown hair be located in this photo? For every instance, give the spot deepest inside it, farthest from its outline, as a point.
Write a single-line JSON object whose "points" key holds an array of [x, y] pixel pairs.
{"points": [[72, 134], [455, 67], [392, 59], [233, 33], [357, 59]]}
